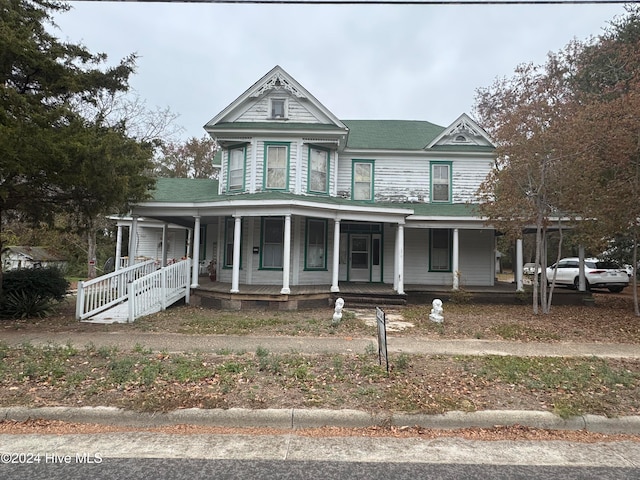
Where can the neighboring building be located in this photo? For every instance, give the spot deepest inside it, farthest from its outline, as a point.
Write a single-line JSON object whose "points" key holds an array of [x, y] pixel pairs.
{"points": [[305, 198], [15, 257]]}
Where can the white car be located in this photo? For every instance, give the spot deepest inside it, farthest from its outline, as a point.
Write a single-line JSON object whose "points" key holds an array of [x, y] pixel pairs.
{"points": [[530, 269], [597, 273]]}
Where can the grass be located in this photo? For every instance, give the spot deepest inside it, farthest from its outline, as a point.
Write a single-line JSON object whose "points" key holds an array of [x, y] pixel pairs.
{"points": [[150, 381]]}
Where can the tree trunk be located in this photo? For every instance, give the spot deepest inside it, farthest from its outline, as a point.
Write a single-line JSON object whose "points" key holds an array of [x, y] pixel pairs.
{"points": [[91, 253], [538, 278], [634, 280]]}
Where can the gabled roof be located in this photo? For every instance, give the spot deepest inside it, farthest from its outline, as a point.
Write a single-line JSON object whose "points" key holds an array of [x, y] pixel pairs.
{"points": [[275, 79], [464, 131]]}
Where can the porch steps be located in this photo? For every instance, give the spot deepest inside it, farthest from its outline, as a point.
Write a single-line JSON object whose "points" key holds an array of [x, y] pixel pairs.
{"points": [[378, 300]]}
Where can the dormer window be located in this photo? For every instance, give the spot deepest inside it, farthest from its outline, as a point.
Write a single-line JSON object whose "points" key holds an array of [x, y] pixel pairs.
{"points": [[278, 108]]}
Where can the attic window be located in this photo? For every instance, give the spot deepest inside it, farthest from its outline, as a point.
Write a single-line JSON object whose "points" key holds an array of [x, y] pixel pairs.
{"points": [[278, 108], [461, 139]]}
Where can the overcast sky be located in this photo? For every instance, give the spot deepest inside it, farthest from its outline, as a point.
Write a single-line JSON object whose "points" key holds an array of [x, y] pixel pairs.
{"points": [[360, 61]]}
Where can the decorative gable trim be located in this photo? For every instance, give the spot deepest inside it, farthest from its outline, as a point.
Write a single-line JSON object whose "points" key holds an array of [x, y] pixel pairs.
{"points": [[275, 80], [278, 82], [463, 132]]}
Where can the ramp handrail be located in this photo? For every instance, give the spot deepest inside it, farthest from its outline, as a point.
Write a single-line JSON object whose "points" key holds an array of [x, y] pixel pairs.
{"points": [[101, 293], [156, 291]]}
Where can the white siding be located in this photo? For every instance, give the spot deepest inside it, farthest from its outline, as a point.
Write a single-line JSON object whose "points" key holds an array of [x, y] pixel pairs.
{"points": [[477, 258], [476, 248], [260, 110], [401, 179], [467, 175]]}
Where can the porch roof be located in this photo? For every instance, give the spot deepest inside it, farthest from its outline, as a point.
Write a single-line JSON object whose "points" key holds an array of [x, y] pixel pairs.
{"points": [[182, 192]]}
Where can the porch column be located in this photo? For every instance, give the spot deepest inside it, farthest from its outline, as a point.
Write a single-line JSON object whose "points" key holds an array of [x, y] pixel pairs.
{"points": [[133, 237], [235, 275], [195, 261], [336, 257], [455, 267], [286, 260], [399, 283], [163, 261], [118, 248], [518, 269]]}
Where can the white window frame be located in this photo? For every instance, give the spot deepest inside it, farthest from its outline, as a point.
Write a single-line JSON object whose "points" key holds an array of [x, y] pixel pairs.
{"points": [[270, 171], [440, 177], [235, 176]]}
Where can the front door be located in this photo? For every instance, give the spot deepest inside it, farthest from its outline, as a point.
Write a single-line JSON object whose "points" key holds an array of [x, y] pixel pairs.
{"points": [[359, 262]]}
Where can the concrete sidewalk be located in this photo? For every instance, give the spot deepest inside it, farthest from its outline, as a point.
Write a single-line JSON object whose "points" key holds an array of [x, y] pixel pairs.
{"points": [[173, 342]]}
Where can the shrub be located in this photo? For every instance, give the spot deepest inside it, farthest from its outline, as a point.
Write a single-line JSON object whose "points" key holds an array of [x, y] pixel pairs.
{"points": [[31, 292]]}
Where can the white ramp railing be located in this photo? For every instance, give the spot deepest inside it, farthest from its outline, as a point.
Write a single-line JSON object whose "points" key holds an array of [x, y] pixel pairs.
{"points": [[160, 289], [99, 294]]}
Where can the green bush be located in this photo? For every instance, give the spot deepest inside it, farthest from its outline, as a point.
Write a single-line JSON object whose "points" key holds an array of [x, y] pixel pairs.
{"points": [[31, 292]]}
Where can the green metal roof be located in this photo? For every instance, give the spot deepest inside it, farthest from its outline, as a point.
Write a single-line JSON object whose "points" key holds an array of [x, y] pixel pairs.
{"points": [[391, 134], [189, 190], [185, 190]]}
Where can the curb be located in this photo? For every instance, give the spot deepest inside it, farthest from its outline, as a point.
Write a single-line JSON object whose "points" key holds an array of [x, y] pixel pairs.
{"points": [[293, 419]]}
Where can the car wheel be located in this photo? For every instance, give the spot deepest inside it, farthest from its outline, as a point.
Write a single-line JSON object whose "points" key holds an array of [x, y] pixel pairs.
{"points": [[576, 284], [616, 289]]}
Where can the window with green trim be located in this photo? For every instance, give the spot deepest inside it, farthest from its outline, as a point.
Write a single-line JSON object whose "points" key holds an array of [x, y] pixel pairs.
{"points": [[229, 228], [272, 242], [362, 174], [440, 250], [235, 178], [276, 166], [440, 182], [316, 244], [318, 170]]}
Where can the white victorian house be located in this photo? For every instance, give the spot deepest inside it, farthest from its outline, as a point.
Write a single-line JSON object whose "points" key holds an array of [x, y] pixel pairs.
{"points": [[308, 202]]}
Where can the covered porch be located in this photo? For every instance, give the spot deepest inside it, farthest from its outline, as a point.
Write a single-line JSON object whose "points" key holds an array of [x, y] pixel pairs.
{"points": [[210, 294]]}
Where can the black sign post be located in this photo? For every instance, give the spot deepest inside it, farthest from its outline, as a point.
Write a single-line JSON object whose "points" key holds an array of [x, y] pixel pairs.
{"points": [[382, 338]]}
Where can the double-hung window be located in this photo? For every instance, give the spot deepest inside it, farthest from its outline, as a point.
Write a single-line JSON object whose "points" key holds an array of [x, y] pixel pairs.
{"points": [[276, 166], [272, 242], [362, 174], [316, 245], [318, 170], [441, 182], [440, 251], [235, 179]]}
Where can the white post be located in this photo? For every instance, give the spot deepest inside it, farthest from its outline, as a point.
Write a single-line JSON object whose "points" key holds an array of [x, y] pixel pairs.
{"points": [[235, 275], [286, 256], [189, 249], [399, 286], [456, 260], [163, 261], [336, 257], [133, 240], [518, 269], [118, 248], [195, 261]]}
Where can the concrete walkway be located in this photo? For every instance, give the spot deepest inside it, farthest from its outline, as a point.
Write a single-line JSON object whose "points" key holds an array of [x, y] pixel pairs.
{"points": [[173, 342]]}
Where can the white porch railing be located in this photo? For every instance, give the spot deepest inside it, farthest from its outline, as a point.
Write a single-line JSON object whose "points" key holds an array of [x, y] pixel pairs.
{"points": [[158, 290], [99, 294]]}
